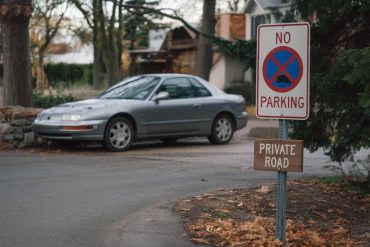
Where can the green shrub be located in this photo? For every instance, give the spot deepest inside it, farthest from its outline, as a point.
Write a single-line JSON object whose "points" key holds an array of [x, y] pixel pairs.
{"points": [[245, 89], [47, 101], [62, 74]]}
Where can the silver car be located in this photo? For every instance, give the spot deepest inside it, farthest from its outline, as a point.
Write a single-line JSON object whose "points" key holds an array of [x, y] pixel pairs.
{"points": [[161, 106]]}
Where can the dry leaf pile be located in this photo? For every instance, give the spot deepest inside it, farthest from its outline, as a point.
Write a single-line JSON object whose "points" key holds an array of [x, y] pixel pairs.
{"points": [[319, 214]]}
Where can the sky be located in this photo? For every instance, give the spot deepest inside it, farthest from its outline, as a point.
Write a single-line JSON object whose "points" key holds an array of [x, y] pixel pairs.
{"points": [[191, 10]]}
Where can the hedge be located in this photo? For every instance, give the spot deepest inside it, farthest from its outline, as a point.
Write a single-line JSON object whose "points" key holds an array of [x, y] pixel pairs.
{"points": [[62, 73], [245, 89]]}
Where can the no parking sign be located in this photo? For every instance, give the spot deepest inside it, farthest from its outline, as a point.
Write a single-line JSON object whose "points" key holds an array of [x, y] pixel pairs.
{"points": [[283, 58]]}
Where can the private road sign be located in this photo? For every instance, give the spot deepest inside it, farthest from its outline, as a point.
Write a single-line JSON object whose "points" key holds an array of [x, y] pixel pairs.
{"points": [[278, 155], [283, 58]]}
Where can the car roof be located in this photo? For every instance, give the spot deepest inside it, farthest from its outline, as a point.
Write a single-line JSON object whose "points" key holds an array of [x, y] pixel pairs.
{"points": [[168, 75]]}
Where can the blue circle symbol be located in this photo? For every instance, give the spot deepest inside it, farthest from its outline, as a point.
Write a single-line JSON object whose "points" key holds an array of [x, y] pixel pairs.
{"points": [[282, 69]]}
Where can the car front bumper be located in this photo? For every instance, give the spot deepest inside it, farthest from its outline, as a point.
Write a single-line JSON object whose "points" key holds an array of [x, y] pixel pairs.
{"points": [[68, 130], [241, 120]]}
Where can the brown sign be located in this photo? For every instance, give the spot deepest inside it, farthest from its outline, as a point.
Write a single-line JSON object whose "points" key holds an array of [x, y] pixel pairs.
{"points": [[278, 155]]}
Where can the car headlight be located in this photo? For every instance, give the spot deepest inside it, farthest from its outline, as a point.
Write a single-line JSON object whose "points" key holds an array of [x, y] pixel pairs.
{"points": [[68, 117]]}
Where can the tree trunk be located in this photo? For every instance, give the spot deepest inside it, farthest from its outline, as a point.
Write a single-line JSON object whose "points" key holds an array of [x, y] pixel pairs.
{"points": [[15, 16], [97, 56], [204, 47], [96, 67], [105, 44], [113, 49], [119, 38], [42, 82]]}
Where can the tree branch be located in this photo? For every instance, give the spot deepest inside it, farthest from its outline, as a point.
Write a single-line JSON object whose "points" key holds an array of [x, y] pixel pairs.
{"points": [[175, 16]]}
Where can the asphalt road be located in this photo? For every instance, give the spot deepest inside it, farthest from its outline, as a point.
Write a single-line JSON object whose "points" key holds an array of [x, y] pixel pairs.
{"points": [[76, 197]]}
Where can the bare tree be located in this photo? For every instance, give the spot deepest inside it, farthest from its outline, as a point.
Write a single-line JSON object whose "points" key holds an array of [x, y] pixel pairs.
{"points": [[91, 15], [234, 5], [204, 47], [107, 38], [15, 17], [108, 42], [45, 23]]}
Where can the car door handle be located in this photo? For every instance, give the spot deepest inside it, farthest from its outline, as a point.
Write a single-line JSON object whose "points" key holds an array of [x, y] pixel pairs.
{"points": [[197, 105]]}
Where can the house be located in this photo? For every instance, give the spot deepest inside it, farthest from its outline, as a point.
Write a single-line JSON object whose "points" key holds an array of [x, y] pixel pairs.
{"points": [[261, 12], [155, 58], [227, 69], [168, 52], [183, 48]]}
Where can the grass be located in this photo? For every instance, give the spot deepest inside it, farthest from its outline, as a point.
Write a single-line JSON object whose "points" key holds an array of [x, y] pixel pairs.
{"points": [[332, 179]]}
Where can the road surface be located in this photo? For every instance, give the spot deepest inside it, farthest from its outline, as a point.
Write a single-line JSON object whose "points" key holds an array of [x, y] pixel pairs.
{"points": [[87, 197]]}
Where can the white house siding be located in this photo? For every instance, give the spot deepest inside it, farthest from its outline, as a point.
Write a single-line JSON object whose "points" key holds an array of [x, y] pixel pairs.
{"points": [[226, 71], [217, 75]]}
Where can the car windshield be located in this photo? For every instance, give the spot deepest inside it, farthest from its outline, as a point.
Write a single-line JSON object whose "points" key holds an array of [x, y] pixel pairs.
{"points": [[133, 88]]}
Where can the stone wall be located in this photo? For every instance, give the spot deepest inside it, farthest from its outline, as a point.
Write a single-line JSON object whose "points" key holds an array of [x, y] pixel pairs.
{"points": [[16, 126]]}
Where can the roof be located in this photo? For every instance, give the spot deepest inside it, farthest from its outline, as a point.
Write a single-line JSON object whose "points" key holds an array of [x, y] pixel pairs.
{"points": [[267, 4], [156, 39]]}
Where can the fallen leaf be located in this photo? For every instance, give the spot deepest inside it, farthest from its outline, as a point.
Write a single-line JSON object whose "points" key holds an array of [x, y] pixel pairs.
{"points": [[200, 240], [264, 189], [339, 230]]}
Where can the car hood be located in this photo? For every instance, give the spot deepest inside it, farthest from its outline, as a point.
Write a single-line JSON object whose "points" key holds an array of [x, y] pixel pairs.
{"points": [[86, 105]]}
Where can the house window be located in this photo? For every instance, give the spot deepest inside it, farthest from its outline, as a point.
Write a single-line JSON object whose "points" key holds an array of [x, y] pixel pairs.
{"points": [[257, 20]]}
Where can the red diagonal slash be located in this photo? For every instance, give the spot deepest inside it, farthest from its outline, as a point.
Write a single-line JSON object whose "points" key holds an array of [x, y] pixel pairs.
{"points": [[282, 68]]}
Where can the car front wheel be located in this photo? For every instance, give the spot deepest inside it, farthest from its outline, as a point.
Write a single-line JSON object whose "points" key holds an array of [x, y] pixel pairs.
{"points": [[119, 134], [222, 130]]}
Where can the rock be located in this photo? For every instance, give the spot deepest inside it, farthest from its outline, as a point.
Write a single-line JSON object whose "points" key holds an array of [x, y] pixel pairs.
{"points": [[18, 134], [32, 112], [9, 110], [7, 137], [29, 138], [19, 112], [5, 146], [6, 128], [27, 128], [25, 113], [19, 122], [17, 115], [16, 126]]}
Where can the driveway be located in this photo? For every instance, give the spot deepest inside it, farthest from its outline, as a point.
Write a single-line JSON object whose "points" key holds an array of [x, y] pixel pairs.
{"points": [[90, 197]]}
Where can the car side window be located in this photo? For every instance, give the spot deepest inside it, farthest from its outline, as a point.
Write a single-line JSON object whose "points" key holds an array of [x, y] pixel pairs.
{"points": [[199, 89], [177, 88]]}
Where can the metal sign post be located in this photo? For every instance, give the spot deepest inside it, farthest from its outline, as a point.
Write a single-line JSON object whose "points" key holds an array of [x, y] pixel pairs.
{"points": [[281, 190], [282, 92]]}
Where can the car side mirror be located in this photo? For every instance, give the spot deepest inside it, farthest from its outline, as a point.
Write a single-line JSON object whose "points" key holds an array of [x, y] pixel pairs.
{"points": [[161, 96]]}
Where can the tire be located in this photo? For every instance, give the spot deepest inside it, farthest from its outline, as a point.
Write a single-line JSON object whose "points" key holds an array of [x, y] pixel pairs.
{"points": [[119, 134], [222, 130]]}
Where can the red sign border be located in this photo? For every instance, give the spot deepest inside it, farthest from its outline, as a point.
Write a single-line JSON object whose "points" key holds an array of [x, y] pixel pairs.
{"points": [[308, 69]]}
